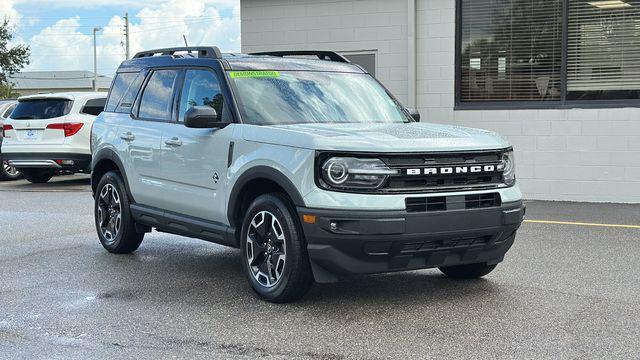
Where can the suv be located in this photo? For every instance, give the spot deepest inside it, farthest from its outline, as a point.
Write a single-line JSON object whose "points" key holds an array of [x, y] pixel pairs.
{"points": [[7, 172], [309, 166], [49, 133]]}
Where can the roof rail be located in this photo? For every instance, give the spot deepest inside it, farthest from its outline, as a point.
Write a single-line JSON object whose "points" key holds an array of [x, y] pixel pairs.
{"points": [[203, 51], [322, 55]]}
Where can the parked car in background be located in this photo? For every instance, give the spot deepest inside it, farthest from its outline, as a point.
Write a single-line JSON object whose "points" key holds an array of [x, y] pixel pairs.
{"points": [[49, 133], [7, 172]]}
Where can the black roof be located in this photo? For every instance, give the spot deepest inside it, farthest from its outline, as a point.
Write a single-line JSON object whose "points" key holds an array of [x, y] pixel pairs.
{"points": [[236, 61]]}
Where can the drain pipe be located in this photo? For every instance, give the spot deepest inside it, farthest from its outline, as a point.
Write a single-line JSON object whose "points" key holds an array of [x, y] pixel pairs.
{"points": [[411, 53]]}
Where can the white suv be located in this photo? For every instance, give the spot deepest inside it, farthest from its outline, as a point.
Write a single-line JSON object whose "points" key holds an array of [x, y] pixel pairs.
{"points": [[49, 133], [6, 172]]}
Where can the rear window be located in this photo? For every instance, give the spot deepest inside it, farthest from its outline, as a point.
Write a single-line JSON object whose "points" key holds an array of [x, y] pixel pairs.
{"points": [[124, 84], [94, 106], [41, 109]]}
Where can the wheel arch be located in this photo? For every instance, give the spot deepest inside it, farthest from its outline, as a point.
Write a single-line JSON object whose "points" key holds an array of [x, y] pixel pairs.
{"points": [[255, 182], [104, 161]]}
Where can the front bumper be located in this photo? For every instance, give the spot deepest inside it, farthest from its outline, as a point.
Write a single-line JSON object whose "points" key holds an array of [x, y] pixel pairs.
{"points": [[54, 161], [344, 243]]}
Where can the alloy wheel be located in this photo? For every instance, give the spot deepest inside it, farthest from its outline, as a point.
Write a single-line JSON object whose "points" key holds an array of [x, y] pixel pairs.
{"points": [[109, 212], [9, 170], [266, 249]]}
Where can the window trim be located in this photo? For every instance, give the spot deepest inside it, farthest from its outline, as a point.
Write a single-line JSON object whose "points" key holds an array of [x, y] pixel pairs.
{"points": [[563, 103]]}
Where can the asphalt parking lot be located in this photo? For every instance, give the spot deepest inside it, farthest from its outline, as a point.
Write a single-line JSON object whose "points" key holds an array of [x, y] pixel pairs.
{"points": [[564, 291]]}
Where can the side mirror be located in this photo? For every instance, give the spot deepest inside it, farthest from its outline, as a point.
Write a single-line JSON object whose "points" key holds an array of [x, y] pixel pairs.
{"points": [[414, 114], [202, 117]]}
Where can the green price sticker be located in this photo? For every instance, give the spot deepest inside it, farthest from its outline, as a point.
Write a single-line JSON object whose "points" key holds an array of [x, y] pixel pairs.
{"points": [[253, 74]]}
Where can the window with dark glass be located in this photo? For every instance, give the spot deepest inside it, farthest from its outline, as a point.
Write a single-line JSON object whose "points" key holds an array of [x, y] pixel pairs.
{"points": [[510, 50], [157, 97], [93, 106], [201, 88], [603, 52]]}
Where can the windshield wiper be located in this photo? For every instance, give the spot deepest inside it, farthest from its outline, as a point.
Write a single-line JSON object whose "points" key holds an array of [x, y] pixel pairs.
{"points": [[23, 118]]}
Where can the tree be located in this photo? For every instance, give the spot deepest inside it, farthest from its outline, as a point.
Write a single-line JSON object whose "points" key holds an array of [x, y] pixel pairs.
{"points": [[12, 59]]}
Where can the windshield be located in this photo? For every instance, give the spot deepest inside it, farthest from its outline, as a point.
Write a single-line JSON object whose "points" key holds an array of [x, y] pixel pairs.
{"points": [[41, 109], [292, 97]]}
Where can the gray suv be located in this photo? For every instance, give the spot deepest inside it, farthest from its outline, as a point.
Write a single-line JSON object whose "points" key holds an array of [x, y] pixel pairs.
{"points": [[302, 160]]}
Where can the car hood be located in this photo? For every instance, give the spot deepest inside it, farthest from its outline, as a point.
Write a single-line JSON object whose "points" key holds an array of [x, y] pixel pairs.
{"points": [[397, 137]]}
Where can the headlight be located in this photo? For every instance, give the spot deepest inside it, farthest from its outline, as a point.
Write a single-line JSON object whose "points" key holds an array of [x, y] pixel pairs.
{"points": [[354, 173], [509, 168]]}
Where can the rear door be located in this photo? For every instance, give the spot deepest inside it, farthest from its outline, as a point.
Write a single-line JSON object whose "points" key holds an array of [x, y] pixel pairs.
{"points": [[142, 136], [36, 120]]}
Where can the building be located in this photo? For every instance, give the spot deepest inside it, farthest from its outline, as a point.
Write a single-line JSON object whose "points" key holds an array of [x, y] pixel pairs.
{"points": [[38, 82], [559, 78]]}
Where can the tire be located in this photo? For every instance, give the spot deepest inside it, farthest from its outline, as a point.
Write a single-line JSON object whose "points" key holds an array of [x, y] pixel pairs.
{"points": [[8, 173], [117, 235], [37, 176], [471, 271], [275, 259]]}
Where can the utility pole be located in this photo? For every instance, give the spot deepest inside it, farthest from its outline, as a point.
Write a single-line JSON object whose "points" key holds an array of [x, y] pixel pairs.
{"points": [[95, 59], [126, 35]]}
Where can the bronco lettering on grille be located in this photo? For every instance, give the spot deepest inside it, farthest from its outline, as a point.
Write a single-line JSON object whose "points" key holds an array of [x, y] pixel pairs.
{"points": [[450, 170]]}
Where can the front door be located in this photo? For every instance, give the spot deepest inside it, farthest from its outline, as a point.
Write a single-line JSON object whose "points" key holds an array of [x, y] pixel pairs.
{"points": [[194, 161]]}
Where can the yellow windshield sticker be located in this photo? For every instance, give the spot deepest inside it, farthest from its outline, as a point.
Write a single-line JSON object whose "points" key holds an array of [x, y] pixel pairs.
{"points": [[253, 74]]}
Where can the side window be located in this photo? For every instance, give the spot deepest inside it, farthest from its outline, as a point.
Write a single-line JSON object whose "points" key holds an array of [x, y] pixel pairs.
{"points": [[121, 83], [157, 97], [93, 106], [125, 104], [201, 88], [8, 112]]}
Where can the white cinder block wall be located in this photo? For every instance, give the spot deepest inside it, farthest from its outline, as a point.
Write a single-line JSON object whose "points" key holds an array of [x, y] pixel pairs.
{"points": [[347, 26], [562, 154]]}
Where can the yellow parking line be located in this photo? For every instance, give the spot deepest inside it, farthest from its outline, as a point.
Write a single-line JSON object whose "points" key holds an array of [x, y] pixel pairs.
{"points": [[582, 224]]}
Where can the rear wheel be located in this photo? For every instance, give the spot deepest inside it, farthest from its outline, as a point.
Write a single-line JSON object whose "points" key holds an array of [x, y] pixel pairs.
{"points": [[7, 172], [274, 252], [37, 176], [114, 224], [471, 271]]}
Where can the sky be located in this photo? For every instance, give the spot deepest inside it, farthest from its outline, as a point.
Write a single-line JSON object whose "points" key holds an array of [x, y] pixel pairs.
{"points": [[59, 32]]}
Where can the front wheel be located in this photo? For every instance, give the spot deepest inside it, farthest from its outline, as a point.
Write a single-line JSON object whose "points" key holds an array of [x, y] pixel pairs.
{"points": [[274, 252], [114, 224], [37, 176], [471, 271]]}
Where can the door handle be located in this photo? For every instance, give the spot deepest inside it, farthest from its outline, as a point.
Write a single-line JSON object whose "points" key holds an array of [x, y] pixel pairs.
{"points": [[127, 136], [173, 142]]}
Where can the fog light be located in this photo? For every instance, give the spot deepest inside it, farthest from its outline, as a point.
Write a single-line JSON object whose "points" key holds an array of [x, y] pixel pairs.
{"points": [[65, 162]]}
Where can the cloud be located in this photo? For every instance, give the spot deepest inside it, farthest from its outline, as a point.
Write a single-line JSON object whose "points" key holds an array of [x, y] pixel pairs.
{"points": [[7, 10], [68, 45]]}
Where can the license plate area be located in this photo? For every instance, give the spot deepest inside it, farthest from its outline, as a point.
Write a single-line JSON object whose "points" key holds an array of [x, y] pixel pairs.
{"points": [[30, 135]]}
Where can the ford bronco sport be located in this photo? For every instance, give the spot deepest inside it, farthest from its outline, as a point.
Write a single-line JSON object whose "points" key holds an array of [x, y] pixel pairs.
{"points": [[308, 165]]}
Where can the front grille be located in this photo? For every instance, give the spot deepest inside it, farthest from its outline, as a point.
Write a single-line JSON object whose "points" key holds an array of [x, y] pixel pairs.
{"points": [[458, 202], [456, 181]]}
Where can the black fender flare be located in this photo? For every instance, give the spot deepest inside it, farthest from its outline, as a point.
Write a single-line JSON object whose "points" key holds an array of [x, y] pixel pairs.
{"points": [[108, 154], [261, 172]]}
